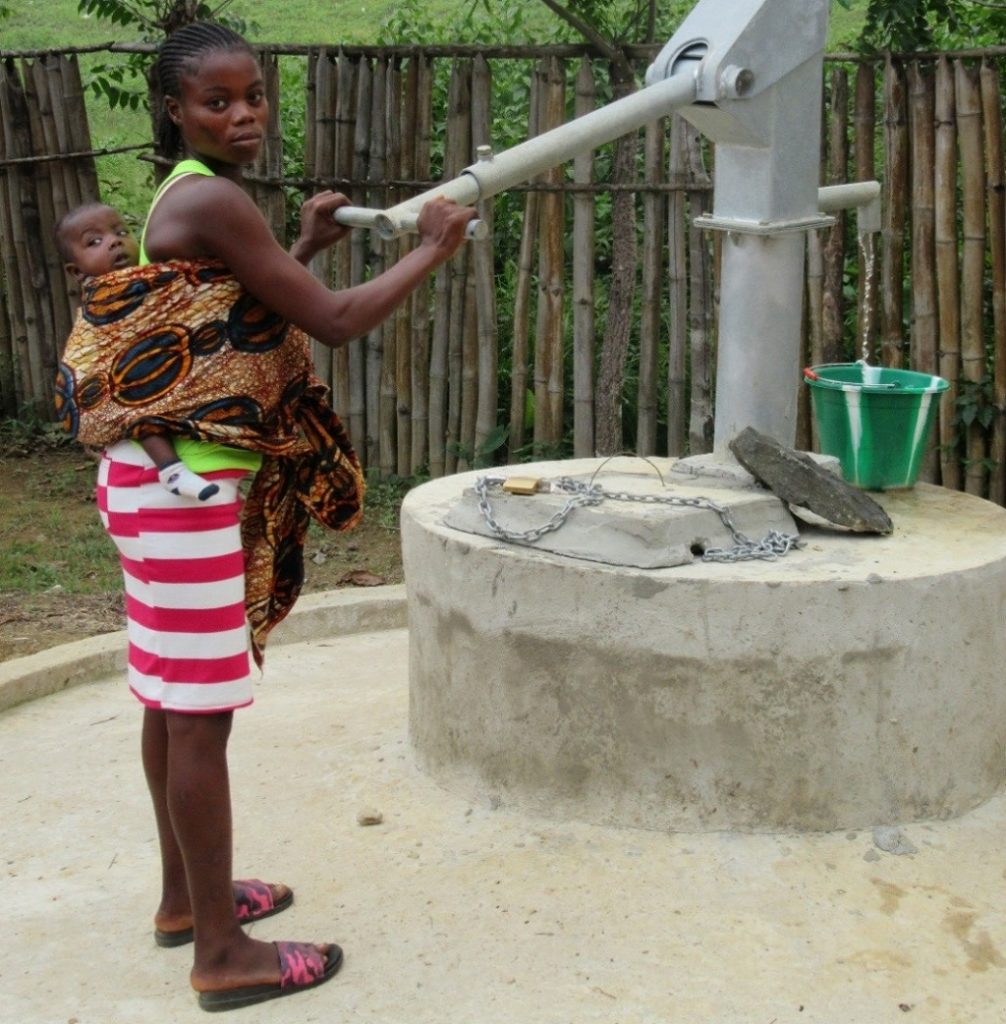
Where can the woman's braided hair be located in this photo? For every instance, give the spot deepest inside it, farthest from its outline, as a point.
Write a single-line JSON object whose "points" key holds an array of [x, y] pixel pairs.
{"points": [[178, 56]]}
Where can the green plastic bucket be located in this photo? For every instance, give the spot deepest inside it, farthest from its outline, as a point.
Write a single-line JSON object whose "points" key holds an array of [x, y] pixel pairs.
{"points": [[875, 420]]}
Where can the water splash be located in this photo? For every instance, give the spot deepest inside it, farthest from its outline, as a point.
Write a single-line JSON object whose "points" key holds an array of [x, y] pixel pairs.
{"points": [[868, 254]]}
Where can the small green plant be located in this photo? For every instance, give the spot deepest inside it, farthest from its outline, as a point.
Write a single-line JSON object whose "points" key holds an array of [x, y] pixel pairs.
{"points": [[483, 455], [545, 451], [975, 404], [384, 498], [29, 433]]}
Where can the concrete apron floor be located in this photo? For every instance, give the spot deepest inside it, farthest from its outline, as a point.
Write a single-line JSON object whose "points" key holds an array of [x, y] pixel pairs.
{"points": [[457, 911]]}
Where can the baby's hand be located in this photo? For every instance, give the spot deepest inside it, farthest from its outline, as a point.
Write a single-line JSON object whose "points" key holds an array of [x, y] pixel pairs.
{"points": [[442, 223], [318, 229]]}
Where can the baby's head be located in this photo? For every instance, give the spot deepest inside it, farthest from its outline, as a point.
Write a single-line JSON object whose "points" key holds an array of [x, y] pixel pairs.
{"points": [[93, 239]]}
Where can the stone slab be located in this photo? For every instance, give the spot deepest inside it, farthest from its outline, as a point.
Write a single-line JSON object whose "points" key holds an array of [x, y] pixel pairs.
{"points": [[628, 533]]}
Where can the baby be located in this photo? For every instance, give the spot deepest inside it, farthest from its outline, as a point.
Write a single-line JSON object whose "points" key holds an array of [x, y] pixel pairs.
{"points": [[93, 239]]}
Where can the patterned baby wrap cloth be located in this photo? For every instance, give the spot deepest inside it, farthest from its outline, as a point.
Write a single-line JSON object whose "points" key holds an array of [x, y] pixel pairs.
{"points": [[181, 347]]}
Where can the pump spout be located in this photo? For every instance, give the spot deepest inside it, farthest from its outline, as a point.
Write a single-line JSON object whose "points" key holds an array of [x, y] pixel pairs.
{"points": [[863, 195]]}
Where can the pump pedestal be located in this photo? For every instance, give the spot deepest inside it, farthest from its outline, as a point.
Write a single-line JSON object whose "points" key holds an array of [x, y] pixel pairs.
{"points": [[855, 682]]}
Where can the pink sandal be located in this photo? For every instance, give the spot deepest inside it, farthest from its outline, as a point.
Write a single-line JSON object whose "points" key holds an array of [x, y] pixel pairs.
{"points": [[302, 965], [253, 900]]}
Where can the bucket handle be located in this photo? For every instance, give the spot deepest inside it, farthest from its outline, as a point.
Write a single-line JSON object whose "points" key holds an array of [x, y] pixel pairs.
{"points": [[810, 374]]}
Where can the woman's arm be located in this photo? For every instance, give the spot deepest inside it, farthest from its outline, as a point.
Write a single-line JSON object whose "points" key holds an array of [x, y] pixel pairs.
{"points": [[214, 218]]}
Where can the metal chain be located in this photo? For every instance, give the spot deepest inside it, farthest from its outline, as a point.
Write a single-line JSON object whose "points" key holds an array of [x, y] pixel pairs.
{"points": [[772, 546]]}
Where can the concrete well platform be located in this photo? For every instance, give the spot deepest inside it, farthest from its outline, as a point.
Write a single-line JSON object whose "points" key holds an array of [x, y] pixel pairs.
{"points": [[857, 681]]}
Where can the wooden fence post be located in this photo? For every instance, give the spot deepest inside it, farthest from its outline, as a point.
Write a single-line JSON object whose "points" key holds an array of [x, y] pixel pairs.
{"points": [[584, 210], [520, 342], [654, 218], [996, 178], [548, 365], [677, 288], [972, 174], [483, 273], [833, 309], [947, 268], [700, 305], [420, 342], [864, 123]]}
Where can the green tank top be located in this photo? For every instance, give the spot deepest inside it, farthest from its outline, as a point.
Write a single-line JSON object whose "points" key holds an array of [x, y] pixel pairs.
{"points": [[199, 456]]}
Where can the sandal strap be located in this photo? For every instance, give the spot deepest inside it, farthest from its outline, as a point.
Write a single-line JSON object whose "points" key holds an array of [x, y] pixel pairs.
{"points": [[252, 898], [300, 963]]}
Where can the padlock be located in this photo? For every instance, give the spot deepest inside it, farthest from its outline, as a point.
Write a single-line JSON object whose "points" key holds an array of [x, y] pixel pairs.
{"points": [[521, 484]]}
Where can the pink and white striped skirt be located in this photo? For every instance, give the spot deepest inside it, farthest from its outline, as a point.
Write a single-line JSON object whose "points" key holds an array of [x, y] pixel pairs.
{"points": [[184, 578]]}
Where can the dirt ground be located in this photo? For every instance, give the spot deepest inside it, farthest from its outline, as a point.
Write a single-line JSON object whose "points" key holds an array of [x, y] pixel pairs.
{"points": [[59, 577]]}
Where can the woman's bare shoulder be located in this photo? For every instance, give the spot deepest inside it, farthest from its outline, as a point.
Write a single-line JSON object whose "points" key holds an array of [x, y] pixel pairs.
{"points": [[203, 216], [205, 195]]}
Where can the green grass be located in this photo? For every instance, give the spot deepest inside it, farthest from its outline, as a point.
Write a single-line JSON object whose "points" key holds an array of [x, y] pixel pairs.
{"points": [[52, 535], [40, 24], [87, 566], [844, 26]]}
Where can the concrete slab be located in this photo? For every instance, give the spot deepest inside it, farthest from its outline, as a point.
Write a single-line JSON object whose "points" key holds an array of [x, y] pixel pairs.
{"points": [[455, 912], [645, 519]]}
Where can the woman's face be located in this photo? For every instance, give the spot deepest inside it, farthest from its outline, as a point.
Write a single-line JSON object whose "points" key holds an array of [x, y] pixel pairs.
{"points": [[222, 110]]}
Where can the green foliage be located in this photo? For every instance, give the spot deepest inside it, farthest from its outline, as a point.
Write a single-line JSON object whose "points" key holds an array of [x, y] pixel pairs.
{"points": [[122, 81], [384, 497], [30, 433], [292, 119], [492, 22], [122, 84], [975, 404], [484, 454], [625, 21], [158, 18], [906, 25], [118, 12]]}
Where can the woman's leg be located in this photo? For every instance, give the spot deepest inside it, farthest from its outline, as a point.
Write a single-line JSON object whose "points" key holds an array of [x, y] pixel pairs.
{"points": [[174, 914], [175, 910], [197, 797], [199, 805]]}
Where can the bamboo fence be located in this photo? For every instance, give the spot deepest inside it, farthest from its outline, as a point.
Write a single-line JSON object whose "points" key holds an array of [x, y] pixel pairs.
{"points": [[539, 342]]}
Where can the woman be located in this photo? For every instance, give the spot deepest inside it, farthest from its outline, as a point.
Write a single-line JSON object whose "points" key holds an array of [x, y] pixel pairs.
{"points": [[183, 567]]}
